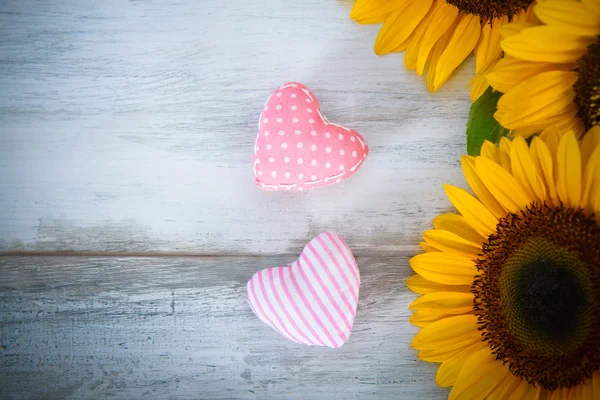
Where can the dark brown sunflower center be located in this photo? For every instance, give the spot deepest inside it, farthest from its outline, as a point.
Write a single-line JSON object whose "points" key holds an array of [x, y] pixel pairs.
{"points": [[587, 87], [491, 8], [537, 295]]}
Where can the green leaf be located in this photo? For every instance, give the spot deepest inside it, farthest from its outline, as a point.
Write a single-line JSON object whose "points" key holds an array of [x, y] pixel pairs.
{"points": [[482, 125]]}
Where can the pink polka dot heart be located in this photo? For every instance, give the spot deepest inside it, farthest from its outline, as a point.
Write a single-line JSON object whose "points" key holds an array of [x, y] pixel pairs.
{"points": [[297, 148]]}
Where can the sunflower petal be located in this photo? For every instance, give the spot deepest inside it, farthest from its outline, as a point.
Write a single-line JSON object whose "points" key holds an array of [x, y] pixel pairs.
{"points": [[509, 72], [524, 170], [482, 193], [593, 5], [463, 41], [569, 170], [400, 25], [443, 18], [542, 159], [514, 28], [589, 143], [571, 17], [475, 213], [451, 243], [546, 44], [505, 388], [422, 318], [458, 225], [478, 377], [420, 285], [412, 52], [444, 302], [526, 391], [491, 151], [450, 333], [427, 247], [596, 384], [502, 185], [444, 268], [488, 51], [505, 147], [374, 11], [537, 98], [478, 87], [591, 179], [562, 119], [450, 368]]}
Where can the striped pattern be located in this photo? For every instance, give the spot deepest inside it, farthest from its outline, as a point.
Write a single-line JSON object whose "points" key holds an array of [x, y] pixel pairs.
{"points": [[313, 300]]}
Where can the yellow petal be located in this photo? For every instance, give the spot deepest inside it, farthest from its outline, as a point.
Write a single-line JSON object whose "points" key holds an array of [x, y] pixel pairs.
{"points": [[478, 377], [450, 333], [427, 247], [444, 17], [505, 152], [374, 11], [458, 225], [478, 87], [436, 53], [412, 52], [514, 28], [491, 151], [480, 190], [569, 170], [423, 318], [450, 368], [525, 16], [524, 170], [537, 98], [475, 213], [461, 44], [420, 285], [451, 243], [551, 136], [593, 5], [444, 268], [488, 50], [561, 119], [596, 385], [510, 71], [591, 179], [589, 143], [526, 391], [400, 25], [574, 124], [542, 159], [505, 388], [502, 185], [444, 302], [570, 17], [545, 44]]}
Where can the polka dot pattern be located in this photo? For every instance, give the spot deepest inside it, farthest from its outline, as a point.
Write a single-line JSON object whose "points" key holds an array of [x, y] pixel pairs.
{"points": [[297, 148]]}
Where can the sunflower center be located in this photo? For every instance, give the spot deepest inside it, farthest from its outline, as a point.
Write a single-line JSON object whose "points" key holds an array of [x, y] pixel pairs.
{"points": [[537, 295], [491, 8], [587, 87]]}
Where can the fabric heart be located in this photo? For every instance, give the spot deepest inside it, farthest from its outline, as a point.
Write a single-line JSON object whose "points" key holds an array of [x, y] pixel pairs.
{"points": [[297, 148], [313, 300]]}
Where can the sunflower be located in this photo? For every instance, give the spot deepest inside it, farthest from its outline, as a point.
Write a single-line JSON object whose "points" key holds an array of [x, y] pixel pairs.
{"points": [[551, 72], [442, 33], [510, 288]]}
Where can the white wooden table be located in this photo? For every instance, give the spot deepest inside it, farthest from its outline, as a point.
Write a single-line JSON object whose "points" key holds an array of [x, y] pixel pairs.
{"points": [[130, 222]]}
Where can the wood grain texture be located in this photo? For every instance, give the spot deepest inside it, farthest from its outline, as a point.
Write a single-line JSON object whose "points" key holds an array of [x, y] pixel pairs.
{"points": [[129, 126], [181, 329]]}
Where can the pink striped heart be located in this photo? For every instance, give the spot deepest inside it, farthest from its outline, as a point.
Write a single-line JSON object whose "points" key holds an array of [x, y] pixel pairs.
{"points": [[313, 300]]}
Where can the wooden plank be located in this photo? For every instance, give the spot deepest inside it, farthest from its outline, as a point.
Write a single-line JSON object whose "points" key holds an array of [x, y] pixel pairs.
{"points": [[79, 327], [129, 126]]}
